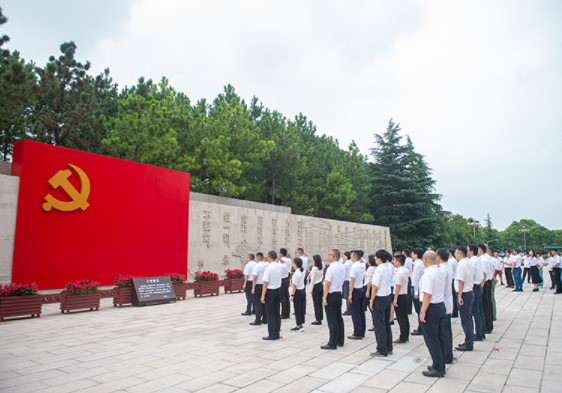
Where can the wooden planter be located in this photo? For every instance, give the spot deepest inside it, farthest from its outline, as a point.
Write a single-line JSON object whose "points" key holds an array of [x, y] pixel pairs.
{"points": [[206, 288], [20, 306], [180, 290], [122, 296], [233, 285], [70, 302]]}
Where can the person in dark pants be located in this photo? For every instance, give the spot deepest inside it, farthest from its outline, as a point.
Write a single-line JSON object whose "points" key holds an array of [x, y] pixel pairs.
{"points": [[409, 264], [257, 288], [298, 293], [432, 314], [477, 312], [335, 276], [401, 298], [507, 261], [464, 279], [356, 297], [416, 276], [452, 262], [516, 264], [271, 296], [556, 268], [381, 301], [248, 284], [444, 263], [316, 275], [488, 269], [285, 263]]}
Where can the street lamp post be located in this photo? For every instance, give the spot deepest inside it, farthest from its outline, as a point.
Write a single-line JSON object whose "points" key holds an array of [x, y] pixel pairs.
{"points": [[524, 231], [474, 225]]}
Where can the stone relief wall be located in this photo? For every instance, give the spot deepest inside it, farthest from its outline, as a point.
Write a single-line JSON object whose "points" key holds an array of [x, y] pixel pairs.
{"points": [[9, 186], [221, 236]]}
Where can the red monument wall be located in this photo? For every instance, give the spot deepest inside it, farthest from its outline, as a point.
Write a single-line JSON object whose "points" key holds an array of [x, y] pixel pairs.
{"points": [[83, 215]]}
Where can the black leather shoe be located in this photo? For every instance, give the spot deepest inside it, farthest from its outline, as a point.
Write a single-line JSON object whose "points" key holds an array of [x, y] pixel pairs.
{"points": [[284, 317], [267, 338], [326, 346], [400, 341], [429, 368], [434, 373], [372, 329], [316, 323], [478, 339], [246, 313], [488, 331], [416, 333], [255, 323], [462, 348]]}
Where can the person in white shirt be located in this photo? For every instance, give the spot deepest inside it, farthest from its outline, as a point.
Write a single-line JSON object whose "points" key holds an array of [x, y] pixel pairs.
{"points": [[516, 267], [381, 301], [432, 314], [248, 283], [464, 282], [346, 289], [369, 273], [257, 289], [286, 265], [493, 255], [498, 267], [271, 296], [447, 270], [416, 276], [302, 255], [335, 276], [409, 264], [401, 298], [357, 296], [298, 294], [477, 312], [534, 270], [488, 268], [315, 278], [556, 268], [453, 263], [541, 263], [526, 268], [508, 269]]}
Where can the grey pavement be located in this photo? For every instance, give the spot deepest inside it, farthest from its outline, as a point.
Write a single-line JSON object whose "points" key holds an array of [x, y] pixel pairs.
{"points": [[205, 345]]}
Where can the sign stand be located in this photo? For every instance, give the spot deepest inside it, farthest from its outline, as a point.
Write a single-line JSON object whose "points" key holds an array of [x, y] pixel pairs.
{"points": [[152, 290]]}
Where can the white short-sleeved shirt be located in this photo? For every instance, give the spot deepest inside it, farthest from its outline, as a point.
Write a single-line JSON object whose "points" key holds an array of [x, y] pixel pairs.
{"points": [[336, 276], [498, 263], [258, 271], [383, 279], [447, 272], [517, 261], [409, 264], [401, 278], [357, 272], [304, 263], [285, 267], [417, 275], [488, 266], [465, 273], [533, 261], [272, 275], [433, 283], [556, 262], [347, 266], [298, 279], [249, 270], [315, 275], [368, 277], [453, 263], [478, 271]]}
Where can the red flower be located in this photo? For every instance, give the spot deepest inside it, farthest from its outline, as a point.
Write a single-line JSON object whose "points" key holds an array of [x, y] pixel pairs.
{"points": [[177, 278], [124, 281], [81, 287], [206, 276], [234, 273], [18, 289]]}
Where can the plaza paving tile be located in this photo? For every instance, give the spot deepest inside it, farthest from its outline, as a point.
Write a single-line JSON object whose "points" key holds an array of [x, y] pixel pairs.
{"points": [[205, 345]]}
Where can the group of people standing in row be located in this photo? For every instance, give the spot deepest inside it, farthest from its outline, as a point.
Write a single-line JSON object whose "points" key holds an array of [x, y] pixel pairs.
{"points": [[439, 285]]}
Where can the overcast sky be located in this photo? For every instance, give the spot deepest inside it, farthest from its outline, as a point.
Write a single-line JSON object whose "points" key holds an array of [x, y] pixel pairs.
{"points": [[476, 84]]}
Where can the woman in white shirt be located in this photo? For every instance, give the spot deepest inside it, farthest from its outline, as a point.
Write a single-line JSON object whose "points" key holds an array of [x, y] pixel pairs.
{"points": [[368, 278], [298, 294], [315, 278]]}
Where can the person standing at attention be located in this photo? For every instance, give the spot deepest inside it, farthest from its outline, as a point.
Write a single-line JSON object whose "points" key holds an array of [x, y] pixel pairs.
{"points": [[357, 296], [478, 278], [409, 264], [369, 273], [447, 271], [271, 296], [316, 275], [298, 294], [380, 303], [285, 264], [248, 283], [335, 276], [508, 269], [416, 276], [516, 265], [452, 262], [488, 267], [257, 289], [464, 282], [401, 298], [346, 289], [432, 314]]}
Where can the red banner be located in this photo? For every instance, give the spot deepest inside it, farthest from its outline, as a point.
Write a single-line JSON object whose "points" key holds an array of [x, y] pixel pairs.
{"points": [[87, 216]]}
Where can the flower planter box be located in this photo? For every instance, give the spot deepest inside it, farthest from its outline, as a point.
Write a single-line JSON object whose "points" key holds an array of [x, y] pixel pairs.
{"points": [[70, 302], [121, 296], [233, 285], [20, 306], [180, 290], [206, 288]]}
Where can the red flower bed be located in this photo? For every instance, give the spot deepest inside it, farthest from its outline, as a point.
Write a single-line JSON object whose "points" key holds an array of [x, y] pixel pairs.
{"points": [[206, 276], [234, 273]]}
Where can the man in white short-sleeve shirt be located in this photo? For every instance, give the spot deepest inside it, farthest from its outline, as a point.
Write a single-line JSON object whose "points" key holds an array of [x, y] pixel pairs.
{"points": [[446, 269], [381, 302], [401, 298], [271, 296], [464, 283], [357, 297], [248, 283], [257, 289], [333, 282]]}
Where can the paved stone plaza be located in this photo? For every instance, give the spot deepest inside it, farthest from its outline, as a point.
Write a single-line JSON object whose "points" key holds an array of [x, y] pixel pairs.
{"points": [[205, 345]]}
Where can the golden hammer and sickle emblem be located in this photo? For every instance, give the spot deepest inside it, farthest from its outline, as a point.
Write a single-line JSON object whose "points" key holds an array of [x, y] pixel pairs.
{"points": [[79, 200]]}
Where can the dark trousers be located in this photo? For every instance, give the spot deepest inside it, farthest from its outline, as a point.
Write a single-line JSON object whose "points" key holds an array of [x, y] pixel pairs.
{"points": [[551, 274], [465, 312], [260, 308], [335, 319], [285, 299], [402, 317], [526, 273], [383, 332], [298, 302], [249, 298], [509, 277], [317, 295], [448, 344], [357, 307], [433, 330], [487, 306], [517, 278], [455, 313], [345, 294], [477, 312], [410, 296], [273, 312], [557, 281], [417, 307]]}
